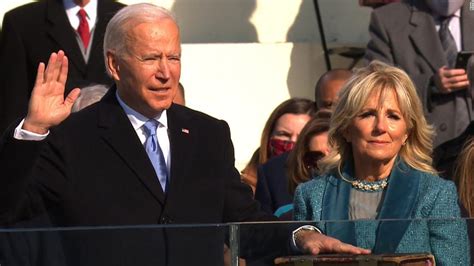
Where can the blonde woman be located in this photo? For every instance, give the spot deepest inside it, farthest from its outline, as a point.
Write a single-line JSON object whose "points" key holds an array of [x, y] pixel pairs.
{"points": [[380, 168]]}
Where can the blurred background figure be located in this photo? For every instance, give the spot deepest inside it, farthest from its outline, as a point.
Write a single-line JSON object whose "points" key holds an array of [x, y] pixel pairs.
{"points": [[279, 134], [89, 95], [278, 178], [464, 176], [30, 33], [446, 154], [423, 38], [180, 98], [379, 168], [328, 86]]}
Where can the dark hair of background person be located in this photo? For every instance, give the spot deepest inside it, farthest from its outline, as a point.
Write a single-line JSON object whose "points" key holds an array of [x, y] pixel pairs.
{"points": [[464, 176], [338, 74], [298, 172], [89, 95]]}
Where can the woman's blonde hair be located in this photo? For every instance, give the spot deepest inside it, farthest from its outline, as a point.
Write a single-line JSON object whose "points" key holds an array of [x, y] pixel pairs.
{"points": [[464, 176], [380, 79]]}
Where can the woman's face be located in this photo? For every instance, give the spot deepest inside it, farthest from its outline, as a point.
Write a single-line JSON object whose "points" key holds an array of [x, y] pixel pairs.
{"points": [[289, 126], [378, 131], [319, 143]]}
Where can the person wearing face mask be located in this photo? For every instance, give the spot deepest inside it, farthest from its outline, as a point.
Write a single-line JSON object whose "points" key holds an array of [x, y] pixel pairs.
{"points": [[279, 176], [423, 38], [279, 134]]}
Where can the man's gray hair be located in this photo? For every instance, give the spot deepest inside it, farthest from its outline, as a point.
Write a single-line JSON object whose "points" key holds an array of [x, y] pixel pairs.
{"points": [[127, 18], [89, 95]]}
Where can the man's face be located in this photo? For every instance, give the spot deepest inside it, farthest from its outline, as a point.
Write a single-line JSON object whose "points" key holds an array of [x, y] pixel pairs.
{"points": [[328, 95], [147, 73]]}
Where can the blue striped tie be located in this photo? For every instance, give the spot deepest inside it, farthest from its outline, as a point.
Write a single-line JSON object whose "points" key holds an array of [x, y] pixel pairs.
{"points": [[154, 152]]}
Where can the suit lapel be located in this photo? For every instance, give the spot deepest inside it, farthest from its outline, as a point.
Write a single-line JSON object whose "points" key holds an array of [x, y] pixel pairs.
{"points": [[104, 13], [467, 21], [398, 206], [118, 132], [61, 31], [425, 38], [181, 134]]}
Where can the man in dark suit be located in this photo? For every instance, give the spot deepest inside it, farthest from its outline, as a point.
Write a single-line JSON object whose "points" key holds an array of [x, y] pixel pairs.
{"points": [[93, 169], [30, 33], [408, 35]]}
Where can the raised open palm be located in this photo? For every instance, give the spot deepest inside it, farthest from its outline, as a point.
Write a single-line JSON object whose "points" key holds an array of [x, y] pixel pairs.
{"points": [[47, 106]]}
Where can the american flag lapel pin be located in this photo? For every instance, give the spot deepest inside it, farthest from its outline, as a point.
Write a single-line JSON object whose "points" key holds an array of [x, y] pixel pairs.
{"points": [[185, 130]]}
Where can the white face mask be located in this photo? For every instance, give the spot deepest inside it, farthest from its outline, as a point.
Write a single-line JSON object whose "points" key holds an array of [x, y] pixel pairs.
{"points": [[444, 8]]}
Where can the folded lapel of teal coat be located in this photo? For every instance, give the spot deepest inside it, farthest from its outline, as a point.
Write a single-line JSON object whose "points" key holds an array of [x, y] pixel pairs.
{"points": [[399, 201], [336, 208], [397, 205]]}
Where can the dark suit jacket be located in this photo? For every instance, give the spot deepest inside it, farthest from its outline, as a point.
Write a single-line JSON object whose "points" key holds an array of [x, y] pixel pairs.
{"points": [[272, 185], [93, 171], [30, 33], [404, 35]]}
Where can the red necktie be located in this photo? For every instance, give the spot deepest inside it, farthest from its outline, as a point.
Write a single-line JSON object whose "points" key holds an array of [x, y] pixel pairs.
{"points": [[83, 28]]}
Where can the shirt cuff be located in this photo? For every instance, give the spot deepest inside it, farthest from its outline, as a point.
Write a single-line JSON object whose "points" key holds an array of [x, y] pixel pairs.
{"points": [[294, 247], [21, 134]]}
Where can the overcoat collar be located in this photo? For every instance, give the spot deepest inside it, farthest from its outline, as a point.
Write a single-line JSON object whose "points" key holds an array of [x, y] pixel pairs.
{"points": [[397, 205], [424, 36]]}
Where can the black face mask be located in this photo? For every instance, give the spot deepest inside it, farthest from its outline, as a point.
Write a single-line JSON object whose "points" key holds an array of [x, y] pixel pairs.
{"points": [[444, 8]]}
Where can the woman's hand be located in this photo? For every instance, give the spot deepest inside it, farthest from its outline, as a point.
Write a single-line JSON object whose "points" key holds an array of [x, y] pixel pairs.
{"points": [[47, 106], [316, 243]]}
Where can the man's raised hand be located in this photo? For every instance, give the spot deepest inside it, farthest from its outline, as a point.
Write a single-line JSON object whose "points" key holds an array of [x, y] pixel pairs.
{"points": [[47, 106]]}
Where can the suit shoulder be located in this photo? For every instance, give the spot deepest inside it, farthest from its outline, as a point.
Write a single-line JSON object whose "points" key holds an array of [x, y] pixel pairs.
{"points": [[82, 119], [393, 9], [316, 183], [113, 6], [434, 185], [194, 115], [278, 161], [393, 15], [25, 12]]}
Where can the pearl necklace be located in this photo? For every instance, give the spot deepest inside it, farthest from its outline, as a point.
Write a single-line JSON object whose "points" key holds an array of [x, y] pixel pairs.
{"points": [[362, 185]]}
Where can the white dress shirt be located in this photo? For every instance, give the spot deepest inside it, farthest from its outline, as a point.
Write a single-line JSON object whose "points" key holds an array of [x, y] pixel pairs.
{"points": [[72, 9], [454, 28]]}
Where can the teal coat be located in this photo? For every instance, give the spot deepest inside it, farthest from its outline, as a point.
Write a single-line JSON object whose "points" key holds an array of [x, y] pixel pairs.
{"points": [[419, 213]]}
